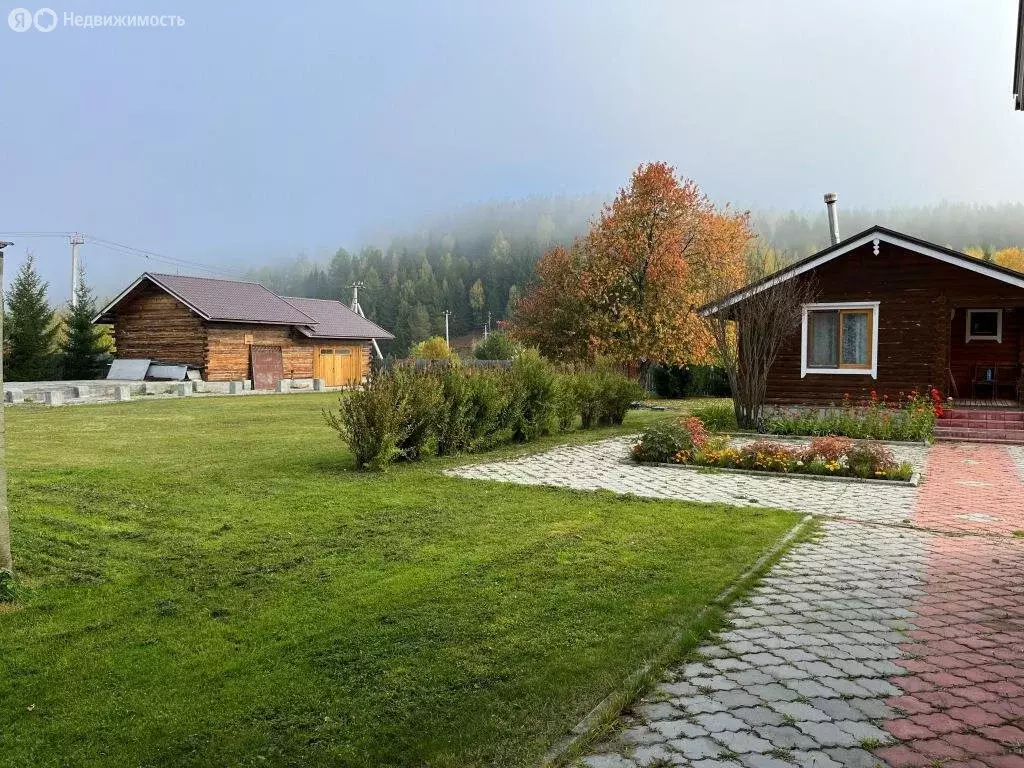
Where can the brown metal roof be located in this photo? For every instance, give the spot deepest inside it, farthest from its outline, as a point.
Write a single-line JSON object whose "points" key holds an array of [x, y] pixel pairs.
{"points": [[233, 301], [335, 321], [220, 300]]}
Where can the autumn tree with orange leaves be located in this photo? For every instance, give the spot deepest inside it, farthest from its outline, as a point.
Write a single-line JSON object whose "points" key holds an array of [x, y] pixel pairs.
{"points": [[629, 288], [1011, 258]]}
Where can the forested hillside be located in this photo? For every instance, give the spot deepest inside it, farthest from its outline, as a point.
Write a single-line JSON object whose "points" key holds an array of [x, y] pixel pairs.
{"points": [[958, 226], [474, 262], [477, 260]]}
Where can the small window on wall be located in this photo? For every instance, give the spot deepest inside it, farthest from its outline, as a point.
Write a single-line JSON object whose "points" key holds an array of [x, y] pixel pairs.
{"points": [[326, 352], [840, 338], [985, 325], [344, 351]]}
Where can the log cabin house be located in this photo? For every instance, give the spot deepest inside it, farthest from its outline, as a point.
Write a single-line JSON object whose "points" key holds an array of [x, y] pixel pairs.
{"points": [[231, 330], [894, 314]]}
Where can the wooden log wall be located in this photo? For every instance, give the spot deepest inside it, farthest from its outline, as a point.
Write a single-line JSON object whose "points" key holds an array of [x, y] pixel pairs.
{"points": [[151, 324], [227, 350], [916, 296]]}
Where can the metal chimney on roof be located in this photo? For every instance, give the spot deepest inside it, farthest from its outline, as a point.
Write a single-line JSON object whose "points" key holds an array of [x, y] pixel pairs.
{"points": [[833, 217]]}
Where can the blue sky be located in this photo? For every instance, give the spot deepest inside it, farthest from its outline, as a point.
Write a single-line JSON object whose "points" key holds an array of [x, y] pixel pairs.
{"points": [[262, 129]]}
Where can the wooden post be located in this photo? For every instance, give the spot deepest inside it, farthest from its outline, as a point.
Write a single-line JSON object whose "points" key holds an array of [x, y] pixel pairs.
{"points": [[6, 560]]}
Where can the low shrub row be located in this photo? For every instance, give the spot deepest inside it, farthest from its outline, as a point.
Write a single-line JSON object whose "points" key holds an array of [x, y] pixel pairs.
{"points": [[687, 442], [404, 413], [909, 417]]}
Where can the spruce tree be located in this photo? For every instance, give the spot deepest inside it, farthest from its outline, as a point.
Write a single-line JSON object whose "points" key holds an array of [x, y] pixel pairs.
{"points": [[30, 328], [83, 354]]}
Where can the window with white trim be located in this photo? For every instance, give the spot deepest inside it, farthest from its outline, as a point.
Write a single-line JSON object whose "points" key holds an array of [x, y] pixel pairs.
{"points": [[985, 325], [840, 337]]}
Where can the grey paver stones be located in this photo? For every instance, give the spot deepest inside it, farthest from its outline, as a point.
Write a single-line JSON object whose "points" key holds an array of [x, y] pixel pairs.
{"points": [[604, 465], [802, 673], [810, 683]]}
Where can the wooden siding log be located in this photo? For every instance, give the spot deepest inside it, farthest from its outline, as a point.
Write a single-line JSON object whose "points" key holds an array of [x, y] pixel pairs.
{"points": [[917, 340], [151, 324]]}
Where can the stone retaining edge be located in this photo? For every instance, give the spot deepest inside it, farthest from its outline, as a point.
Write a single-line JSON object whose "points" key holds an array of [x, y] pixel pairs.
{"points": [[913, 482]]}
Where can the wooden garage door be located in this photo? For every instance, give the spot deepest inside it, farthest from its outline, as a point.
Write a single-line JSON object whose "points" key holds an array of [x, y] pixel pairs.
{"points": [[267, 367], [339, 366]]}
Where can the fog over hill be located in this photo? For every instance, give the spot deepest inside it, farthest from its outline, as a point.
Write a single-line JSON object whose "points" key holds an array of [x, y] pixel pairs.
{"points": [[476, 260]]}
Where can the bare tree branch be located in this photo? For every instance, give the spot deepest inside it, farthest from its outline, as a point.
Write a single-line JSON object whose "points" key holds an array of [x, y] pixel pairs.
{"points": [[749, 334]]}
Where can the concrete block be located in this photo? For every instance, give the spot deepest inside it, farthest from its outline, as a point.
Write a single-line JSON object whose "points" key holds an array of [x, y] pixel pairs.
{"points": [[284, 385], [80, 391], [236, 387], [213, 387], [182, 389], [318, 384], [247, 384], [14, 396], [122, 393], [154, 388], [53, 397], [302, 383]]}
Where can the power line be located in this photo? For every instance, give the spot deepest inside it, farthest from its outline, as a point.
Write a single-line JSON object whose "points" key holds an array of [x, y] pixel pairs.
{"points": [[128, 250], [36, 234]]}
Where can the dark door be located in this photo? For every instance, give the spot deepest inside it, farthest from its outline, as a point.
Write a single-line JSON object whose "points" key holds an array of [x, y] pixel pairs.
{"points": [[267, 367]]}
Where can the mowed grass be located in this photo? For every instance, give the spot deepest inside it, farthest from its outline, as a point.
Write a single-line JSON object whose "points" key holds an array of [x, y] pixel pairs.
{"points": [[210, 583]]}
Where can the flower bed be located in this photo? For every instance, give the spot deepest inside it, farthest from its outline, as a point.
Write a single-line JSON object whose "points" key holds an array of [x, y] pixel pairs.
{"points": [[687, 442], [908, 417]]}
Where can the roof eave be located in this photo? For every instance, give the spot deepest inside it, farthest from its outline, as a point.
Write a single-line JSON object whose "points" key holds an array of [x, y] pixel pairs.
{"points": [[1018, 62], [105, 316], [881, 234]]}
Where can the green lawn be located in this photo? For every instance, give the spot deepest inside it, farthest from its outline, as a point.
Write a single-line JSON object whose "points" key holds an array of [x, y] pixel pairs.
{"points": [[209, 583]]}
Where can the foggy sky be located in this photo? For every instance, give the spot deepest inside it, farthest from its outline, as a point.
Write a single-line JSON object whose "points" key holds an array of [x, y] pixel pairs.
{"points": [[272, 128]]}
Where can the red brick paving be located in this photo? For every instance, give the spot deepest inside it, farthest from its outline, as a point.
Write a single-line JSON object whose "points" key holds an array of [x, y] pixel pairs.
{"points": [[970, 488], [963, 694]]}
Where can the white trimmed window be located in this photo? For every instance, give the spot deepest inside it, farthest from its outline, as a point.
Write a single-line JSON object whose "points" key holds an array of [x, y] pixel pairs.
{"points": [[985, 325], [839, 338]]}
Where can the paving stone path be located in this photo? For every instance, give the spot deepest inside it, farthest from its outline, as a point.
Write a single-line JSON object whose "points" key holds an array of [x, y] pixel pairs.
{"points": [[605, 465], [978, 489], [895, 637]]}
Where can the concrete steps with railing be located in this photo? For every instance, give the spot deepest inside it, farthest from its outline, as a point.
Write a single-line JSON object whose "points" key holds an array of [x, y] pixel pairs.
{"points": [[972, 425]]}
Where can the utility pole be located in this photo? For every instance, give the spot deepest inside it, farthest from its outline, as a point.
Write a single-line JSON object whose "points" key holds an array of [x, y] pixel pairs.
{"points": [[487, 327], [6, 560], [359, 311], [76, 240], [447, 312]]}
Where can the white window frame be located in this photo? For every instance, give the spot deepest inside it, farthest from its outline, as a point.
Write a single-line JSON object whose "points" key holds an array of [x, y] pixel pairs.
{"points": [[872, 371], [998, 338]]}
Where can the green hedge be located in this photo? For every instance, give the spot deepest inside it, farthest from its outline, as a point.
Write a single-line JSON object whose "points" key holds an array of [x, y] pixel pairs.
{"points": [[404, 413]]}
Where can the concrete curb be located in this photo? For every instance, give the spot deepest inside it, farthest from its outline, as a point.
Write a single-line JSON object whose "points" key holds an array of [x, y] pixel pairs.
{"points": [[913, 482], [118, 398], [613, 704]]}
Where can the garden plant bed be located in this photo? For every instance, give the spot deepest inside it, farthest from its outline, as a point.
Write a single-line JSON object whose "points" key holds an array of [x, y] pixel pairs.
{"points": [[686, 443], [805, 439]]}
